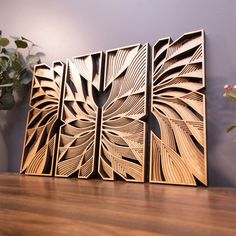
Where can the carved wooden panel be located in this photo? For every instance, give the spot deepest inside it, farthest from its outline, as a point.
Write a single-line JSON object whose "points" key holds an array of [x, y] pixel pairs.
{"points": [[122, 144], [178, 104], [111, 139], [80, 116], [40, 145]]}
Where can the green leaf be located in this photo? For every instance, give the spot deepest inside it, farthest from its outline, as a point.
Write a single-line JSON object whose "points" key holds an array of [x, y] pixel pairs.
{"points": [[4, 42], [3, 55], [21, 44], [5, 78], [17, 65], [25, 39], [15, 37], [7, 101], [40, 54], [231, 128], [32, 59], [26, 77], [4, 62], [9, 51], [21, 58], [16, 83], [231, 95]]}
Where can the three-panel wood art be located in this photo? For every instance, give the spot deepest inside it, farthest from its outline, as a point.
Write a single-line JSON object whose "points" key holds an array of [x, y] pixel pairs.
{"points": [[121, 115]]}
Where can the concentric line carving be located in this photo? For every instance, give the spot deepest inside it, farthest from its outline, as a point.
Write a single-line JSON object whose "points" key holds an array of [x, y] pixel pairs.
{"points": [[122, 145], [178, 104], [40, 145], [111, 139], [78, 134]]}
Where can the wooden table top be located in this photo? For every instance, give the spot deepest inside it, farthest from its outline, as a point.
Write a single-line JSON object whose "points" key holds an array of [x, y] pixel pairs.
{"points": [[55, 206]]}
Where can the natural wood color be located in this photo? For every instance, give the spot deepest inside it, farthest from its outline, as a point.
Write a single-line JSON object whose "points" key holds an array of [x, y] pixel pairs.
{"points": [[122, 144], [40, 146], [114, 137], [179, 155], [78, 134], [54, 206]]}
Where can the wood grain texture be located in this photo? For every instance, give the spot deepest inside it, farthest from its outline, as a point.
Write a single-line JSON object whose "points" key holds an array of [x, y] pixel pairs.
{"points": [[178, 104], [41, 135], [80, 117], [56, 206], [122, 142]]}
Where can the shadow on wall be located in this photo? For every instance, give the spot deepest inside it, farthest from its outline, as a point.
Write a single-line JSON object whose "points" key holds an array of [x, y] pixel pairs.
{"points": [[220, 144], [220, 115], [12, 130], [3, 147]]}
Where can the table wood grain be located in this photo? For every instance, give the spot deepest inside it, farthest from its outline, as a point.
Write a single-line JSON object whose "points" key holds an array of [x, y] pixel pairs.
{"points": [[56, 206]]}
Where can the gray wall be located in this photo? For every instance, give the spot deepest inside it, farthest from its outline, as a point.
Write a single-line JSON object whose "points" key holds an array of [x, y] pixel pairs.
{"points": [[68, 28]]}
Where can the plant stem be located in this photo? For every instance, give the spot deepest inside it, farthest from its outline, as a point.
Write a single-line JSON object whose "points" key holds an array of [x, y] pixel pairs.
{"points": [[6, 85]]}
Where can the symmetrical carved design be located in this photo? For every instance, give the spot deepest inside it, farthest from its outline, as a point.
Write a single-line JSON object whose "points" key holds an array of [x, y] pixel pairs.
{"points": [[179, 156], [122, 143], [40, 145], [76, 155], [110, 139]]}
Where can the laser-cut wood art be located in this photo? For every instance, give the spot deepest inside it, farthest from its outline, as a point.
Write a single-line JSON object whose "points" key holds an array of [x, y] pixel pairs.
{"points": [[40, 145], [122, 143], [70, 133], [78, 134], [178, 104]]}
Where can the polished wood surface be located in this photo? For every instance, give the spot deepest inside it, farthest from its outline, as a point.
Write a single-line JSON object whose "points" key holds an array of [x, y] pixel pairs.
{"points": [[31, 205]]}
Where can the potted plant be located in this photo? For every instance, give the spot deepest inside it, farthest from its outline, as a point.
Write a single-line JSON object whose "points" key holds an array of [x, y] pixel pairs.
{"points": [[16, 67], [230, 92]]}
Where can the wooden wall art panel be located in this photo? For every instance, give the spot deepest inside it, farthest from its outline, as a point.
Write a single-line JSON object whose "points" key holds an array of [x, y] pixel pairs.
{"points": [[178, 104], [80, 116], [40, 146], [122, 141], [85, 123]]}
